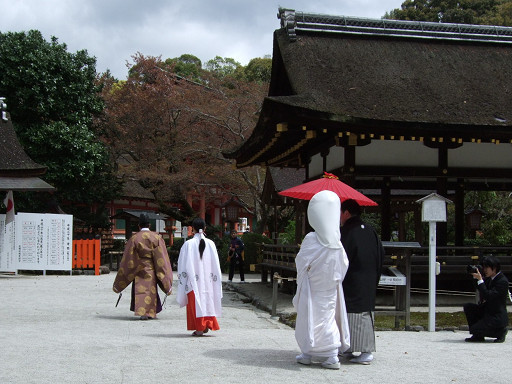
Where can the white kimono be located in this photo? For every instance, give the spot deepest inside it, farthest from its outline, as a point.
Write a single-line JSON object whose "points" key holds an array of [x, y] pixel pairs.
{"points": [[203, 276], [322, 325]]}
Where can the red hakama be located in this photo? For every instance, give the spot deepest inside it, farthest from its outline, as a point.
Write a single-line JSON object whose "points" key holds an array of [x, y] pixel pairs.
{"points": [[198, 323]]}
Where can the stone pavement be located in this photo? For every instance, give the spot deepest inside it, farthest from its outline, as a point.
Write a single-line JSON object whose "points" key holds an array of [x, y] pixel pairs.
{"points": [[66, 329]]}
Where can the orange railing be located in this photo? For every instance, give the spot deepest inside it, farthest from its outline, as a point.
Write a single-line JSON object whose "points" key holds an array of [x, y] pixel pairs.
{"points": [[86, 254]]}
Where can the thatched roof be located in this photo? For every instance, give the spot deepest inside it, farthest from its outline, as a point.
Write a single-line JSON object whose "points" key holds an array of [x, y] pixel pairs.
{"points": [[429, 81], [237, 202], [375, 77], [13, 159], [126, 214], [133, 189], [284, 178], [18, 172], [279, 179]]}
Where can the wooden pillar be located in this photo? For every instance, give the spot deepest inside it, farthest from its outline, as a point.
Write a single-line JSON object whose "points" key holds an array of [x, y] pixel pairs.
{"points": [[418, 225], [385, 207], [324, 154], [274, 233], [202, 206], [401, 226], [307, 163], [350, 164], [128, 228], [299, 219], [459, 213], [442, 227]]}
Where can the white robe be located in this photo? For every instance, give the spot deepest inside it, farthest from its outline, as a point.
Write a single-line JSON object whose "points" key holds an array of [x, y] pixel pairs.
{"points": [[322, 324], [322, 327], [203, 276]]}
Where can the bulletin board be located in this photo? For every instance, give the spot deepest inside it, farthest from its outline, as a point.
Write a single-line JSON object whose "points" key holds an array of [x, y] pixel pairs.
{"points": [[43, 241]]}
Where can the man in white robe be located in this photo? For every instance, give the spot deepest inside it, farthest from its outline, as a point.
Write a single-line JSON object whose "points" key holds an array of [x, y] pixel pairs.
{"points": [[321, 327]]}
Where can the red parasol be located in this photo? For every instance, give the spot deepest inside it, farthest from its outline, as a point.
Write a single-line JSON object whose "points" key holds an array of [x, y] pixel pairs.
{"points": [[328, 182]]}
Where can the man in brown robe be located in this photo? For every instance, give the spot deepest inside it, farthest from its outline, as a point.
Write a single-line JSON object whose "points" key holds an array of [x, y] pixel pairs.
{"points": [[145, 263]]}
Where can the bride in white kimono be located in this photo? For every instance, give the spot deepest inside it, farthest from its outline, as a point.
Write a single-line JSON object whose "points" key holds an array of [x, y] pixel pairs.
{"points": [[321, 328]]}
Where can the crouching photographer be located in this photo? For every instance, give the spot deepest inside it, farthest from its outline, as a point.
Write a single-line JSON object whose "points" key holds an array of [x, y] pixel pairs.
{"points": [[489, 317]]}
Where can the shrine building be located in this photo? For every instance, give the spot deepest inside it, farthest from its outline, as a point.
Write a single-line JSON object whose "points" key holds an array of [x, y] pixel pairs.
{"points": [[396, 109]]}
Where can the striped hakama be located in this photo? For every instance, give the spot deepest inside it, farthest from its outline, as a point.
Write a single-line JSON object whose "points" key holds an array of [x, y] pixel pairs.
{"points": [[362, 334]]}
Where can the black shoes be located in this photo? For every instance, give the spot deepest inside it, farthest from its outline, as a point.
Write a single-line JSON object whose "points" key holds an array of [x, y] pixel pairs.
{"points": [[481, 339], [501, 339], [475, 339]]}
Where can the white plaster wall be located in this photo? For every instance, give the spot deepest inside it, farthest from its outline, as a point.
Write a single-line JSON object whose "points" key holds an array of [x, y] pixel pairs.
{"points": [[396, 153], [486, 155], [315, 166], [336, 158]]}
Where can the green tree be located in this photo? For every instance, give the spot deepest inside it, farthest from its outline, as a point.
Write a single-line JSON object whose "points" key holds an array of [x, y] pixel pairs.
{"points": [[288, 236], [222, 67], [52, 97], [259, 69], [454, 11], [496, 225], [502, 16], [186, 65]]}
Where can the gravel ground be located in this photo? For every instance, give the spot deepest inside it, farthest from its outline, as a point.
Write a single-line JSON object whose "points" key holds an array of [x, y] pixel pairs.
{"points": [[66, 329]]}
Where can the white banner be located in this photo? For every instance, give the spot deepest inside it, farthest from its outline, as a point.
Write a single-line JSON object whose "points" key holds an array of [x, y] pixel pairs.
{"points": [[44, 241], [7, 246]]}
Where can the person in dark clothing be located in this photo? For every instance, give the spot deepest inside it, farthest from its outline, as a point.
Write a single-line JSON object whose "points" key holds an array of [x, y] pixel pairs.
{"points": [[236, 256], [365, 254], [489, 317]]}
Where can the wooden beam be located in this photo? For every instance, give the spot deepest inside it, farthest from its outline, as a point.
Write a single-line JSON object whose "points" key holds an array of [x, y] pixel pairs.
{"points": [[459, 213], [385, 207]]}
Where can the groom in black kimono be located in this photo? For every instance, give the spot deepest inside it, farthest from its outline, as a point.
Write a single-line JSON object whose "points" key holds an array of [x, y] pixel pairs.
{"points": [[365, 254]]}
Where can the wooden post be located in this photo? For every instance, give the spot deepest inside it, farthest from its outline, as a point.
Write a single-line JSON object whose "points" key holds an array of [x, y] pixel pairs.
{"points": [[274, 293]]}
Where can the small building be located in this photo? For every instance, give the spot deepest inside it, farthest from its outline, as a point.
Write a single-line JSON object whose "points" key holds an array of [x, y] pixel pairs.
{"points": [[134, 198]]}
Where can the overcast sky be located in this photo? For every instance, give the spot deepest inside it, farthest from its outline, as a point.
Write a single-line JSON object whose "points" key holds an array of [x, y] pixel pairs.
{"points": [[114, 30]]}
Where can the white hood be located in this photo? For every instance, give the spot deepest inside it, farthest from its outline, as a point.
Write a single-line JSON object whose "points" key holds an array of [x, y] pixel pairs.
{"points": [[324, 217]]}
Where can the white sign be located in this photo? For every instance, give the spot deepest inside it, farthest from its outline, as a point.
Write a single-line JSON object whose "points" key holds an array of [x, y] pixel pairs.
{"points": [[396, 277], [392, 280], [44, 241], [433, 207], [7, 246]]}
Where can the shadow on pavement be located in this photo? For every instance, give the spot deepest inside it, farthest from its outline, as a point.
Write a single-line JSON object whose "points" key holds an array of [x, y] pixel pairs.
{"points": [[125, 318], [270, 358], [176, 335]]}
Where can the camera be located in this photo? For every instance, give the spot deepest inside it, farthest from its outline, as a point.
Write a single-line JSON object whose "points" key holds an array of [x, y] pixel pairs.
{"points": [[474, 268]]}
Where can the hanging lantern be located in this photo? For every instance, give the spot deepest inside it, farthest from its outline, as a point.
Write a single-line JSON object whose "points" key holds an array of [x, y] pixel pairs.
{"points": [[474, 218], [232, 213]]}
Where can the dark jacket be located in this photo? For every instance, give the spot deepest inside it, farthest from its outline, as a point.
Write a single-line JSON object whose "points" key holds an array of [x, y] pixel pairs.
{"points": [[494, 295], [240, 248], [365, 254]]}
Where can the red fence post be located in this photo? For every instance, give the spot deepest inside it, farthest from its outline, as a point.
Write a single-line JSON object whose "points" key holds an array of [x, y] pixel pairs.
{"points": [[73, 256], [97, 261]]}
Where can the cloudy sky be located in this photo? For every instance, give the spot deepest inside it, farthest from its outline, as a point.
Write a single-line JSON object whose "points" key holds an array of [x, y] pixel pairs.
{"points": [[114, 30]]}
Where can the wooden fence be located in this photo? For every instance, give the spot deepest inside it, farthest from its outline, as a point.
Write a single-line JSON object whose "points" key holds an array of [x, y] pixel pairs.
{"points": [[406, 258], [86, 255]]}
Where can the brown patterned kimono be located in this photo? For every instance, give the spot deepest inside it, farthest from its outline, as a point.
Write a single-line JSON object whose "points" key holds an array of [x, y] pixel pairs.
{"points": [[145, 263]]}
